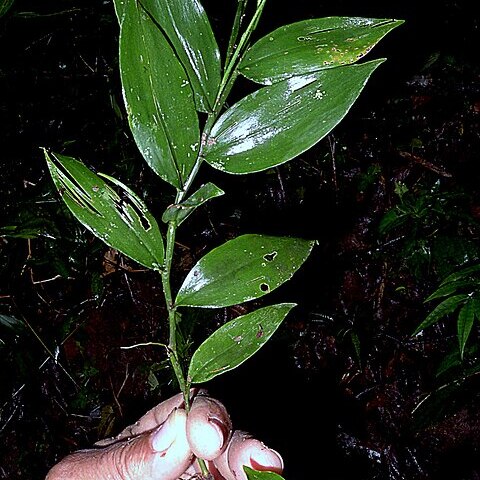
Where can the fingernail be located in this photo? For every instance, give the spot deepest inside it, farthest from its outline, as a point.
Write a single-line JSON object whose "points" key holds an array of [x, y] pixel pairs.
{"points": [[267, 459], [164, 435]]}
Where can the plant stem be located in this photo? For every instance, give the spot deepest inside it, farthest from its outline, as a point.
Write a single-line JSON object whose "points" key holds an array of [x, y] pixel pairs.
{"points": [[230, 74]]}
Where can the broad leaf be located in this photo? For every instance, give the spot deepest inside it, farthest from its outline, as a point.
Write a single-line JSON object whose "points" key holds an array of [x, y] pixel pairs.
{"points": [[311, 45], [120, 9], [179, 212], [466, 317], [187, 26], [446, 307], [158, 97], [242, 269], [121, 221], [261, 475], [279, 122], [235, 342]]}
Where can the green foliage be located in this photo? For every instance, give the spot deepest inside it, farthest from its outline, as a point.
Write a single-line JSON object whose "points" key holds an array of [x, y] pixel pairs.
{"points": [[460, 292], [242, 269], [170, 70], [279, 122], [427, 219], [310, 45], [261, 475], [235, 342], [122, 222], [5, 6]]}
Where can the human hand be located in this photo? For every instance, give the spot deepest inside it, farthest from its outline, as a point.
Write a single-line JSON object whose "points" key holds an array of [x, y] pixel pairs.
{"points": [[163, 445]]}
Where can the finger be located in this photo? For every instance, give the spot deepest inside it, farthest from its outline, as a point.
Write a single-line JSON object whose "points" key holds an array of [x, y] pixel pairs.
{"points": [[244, 450], [208, 427], [172, 450], [153, 418], [162, 454]]}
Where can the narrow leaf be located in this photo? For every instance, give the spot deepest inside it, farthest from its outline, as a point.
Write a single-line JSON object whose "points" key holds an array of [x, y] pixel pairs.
{"points": [[242, 269], [12, 323], [447, 289], [446, 307], [466, 317], [187, 26], [261, 475], [158, 97], [463, 273], [122, 222], [179, 212], [235, 342], [5, 6], [279, 122], [311, 45]]}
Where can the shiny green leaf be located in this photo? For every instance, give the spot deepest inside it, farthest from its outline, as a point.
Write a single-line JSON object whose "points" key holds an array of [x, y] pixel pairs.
{"points": [[311, 45], [449, 288], [235, 342], [261, 475], [472, 271], [121, 221], [158, 97], [187, 27], [179, 212], [441, 310], [279, 122], [119, 9], [466, 317], [242, 269]]}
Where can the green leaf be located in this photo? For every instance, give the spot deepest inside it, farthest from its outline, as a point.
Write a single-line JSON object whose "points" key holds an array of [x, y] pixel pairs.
{"points": [[187, 27], [312, 45], [466, 317], [120, 7], [121, 221], [235, 342], [12, 323], [242, 269], [444, 308], [279, 122], [392, 219], [465, 272], [449, 288], [261, 475], [158, 97], [179, 212], [5, 6]]}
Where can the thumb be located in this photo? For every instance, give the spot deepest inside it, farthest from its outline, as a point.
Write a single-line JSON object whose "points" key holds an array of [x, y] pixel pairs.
{"points": [[161, 454]]}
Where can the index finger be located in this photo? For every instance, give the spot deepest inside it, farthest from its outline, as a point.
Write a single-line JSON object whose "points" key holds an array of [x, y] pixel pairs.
{"points": [[152, 419]]}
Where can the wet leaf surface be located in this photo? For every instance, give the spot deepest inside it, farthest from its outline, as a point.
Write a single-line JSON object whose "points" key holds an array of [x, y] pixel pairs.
{"points": [[243, 269]]}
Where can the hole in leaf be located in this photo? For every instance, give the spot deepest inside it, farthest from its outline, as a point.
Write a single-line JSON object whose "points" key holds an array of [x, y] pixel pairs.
{"points": [[269, 257], [264, 287]]}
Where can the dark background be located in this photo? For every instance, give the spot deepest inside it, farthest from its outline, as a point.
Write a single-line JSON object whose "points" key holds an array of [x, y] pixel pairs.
{"points": [[334, 391]]}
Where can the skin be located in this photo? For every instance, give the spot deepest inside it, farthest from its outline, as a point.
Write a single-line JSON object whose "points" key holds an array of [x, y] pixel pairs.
{"points": [[164, 443]]}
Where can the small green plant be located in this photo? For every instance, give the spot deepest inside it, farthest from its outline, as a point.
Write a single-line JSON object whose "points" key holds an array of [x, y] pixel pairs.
{"points": [[175, 87], [460, 292]]}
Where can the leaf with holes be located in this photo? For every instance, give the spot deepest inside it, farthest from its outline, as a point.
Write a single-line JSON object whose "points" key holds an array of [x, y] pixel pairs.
{"points": [[242, 269], [158, 97], [261, 475], [121, 221], [187, 27], [312, 45], [236, 341], [178, 213], [279, 122]]}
